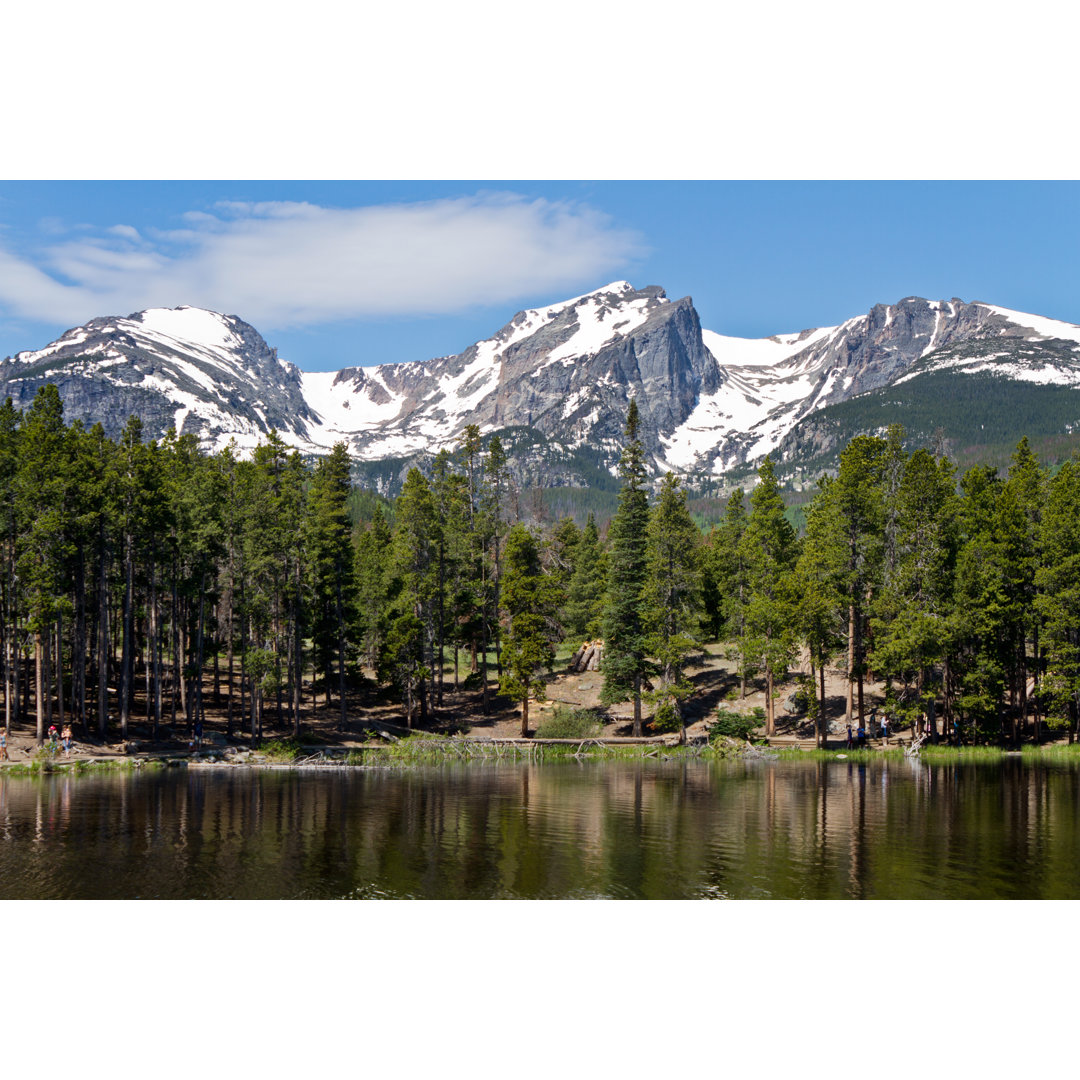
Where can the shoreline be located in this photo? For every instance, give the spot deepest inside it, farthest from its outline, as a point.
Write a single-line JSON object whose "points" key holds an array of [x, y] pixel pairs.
{"points": [[427, 750]]}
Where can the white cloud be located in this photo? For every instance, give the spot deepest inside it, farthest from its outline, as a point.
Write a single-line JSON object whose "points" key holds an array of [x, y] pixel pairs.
{"points": [[291, 264]]}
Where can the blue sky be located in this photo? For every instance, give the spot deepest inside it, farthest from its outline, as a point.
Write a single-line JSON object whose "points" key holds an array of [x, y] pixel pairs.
{"points": [[337, 274]]}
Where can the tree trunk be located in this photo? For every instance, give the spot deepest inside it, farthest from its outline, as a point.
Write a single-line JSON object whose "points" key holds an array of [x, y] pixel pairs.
{"points": [[127, 643], [199, 651], [103, 643], [39, 687], [849, 715], [637, 729], [821, 678], [525, 716], [155, 646], [770, 716], [59, 674]]}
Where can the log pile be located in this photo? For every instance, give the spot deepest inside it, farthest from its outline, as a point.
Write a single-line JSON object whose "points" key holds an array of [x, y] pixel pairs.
{"points": [[588, 657]]}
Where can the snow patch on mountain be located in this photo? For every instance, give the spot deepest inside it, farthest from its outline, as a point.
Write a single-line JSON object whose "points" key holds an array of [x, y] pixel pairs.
{"points": [[761, 352], [1044, 327]]}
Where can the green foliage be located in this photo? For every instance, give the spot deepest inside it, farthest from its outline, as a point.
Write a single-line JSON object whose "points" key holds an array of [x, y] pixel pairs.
{"points": [[672, 595], [281, 750], [530, 598], [666, 717], [564, 723], [733, 725], [583, 610], [625, 663]]}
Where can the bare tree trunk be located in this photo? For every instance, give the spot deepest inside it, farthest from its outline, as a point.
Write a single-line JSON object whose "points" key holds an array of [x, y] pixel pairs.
{"points": [[39, 687], [770, 716], [850, 712], [103, 644], [59, 673], [155, 646], [127, 643], [637, 729]]}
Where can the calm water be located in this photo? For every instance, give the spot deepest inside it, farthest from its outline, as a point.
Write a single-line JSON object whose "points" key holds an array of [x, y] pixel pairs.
{"points": [[657, 830]]}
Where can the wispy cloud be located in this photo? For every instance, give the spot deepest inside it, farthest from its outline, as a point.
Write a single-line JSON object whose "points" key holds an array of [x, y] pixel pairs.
{"points": [[284, 264]]}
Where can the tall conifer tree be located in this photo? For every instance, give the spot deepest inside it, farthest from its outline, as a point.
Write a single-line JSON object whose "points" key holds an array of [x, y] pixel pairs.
{"points": [[624, 663]]}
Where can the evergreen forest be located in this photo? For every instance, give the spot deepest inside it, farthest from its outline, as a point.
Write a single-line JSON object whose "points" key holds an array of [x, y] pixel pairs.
{"points": [[139, 577]]}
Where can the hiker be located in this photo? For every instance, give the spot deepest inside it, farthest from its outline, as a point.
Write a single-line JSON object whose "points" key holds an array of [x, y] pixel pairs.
{"points": [[198, 734], [52, 736], [862, 736], [3, 747], [885, 728], [65, 737], [850, 738]]}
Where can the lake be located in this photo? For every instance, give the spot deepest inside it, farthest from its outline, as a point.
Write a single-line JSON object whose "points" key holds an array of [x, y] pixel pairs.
{"points": [[654, 830]]}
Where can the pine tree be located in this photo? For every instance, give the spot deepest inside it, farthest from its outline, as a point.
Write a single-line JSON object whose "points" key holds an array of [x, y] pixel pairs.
{"points": [[332, 565], [861, 510], [1058, 598], [913, 640], [583, 611], [625, 665], [769, 550], [818, 578], [42, 489], [406, 654], [729, 568], [371, 578], [530, 599], [672, 594]]}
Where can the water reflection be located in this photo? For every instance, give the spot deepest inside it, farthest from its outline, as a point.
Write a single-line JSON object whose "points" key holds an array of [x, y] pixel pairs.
{"points": [[655, 830]]}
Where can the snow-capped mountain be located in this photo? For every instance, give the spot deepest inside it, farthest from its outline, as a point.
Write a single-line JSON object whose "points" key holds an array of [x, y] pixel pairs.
{"points": [[183, 368], [565, 373]]}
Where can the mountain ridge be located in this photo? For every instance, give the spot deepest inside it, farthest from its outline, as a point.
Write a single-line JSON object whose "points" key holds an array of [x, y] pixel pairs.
{"points": [[709, 403]]}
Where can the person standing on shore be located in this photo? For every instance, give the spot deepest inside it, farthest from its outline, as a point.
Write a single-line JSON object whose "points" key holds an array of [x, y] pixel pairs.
{"points": [[850, 739], [885, 728], [65, 737], [3, 746]]}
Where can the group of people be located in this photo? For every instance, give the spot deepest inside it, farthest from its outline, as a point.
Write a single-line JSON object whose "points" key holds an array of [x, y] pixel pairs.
{"points": [[858, 737], [65, 736]]}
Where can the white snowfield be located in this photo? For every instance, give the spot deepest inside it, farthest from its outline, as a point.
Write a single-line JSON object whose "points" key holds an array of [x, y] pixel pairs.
{"points": [[767, 384]]}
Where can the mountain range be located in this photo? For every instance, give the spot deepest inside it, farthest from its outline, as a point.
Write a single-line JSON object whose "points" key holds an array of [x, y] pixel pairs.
{"points": [[556, 380]]}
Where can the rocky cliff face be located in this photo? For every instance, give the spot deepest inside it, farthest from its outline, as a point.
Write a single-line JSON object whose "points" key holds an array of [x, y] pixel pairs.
{"points": [[567, 371]]}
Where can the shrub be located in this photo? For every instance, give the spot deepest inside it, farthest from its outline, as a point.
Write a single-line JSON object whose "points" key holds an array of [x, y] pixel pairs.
{"points": [[281, 750], [666, 717], [733, 725], [566, 723]]}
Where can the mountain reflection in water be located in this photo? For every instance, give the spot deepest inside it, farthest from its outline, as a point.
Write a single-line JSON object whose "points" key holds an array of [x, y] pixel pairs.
{"points": [[656, 830]]}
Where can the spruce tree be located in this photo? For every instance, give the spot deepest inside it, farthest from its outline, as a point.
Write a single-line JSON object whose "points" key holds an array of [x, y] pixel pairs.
{"points": [[672, 595], [530, 599], [42, 481], [625, 665], [332, 565], [407, 648], [818, 581], [728, 561], [1058, 599], [583, 611], [769, 550]]}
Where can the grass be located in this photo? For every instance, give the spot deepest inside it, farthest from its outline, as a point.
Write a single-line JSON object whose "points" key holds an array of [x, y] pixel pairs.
{"points": [[45, 765]]}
